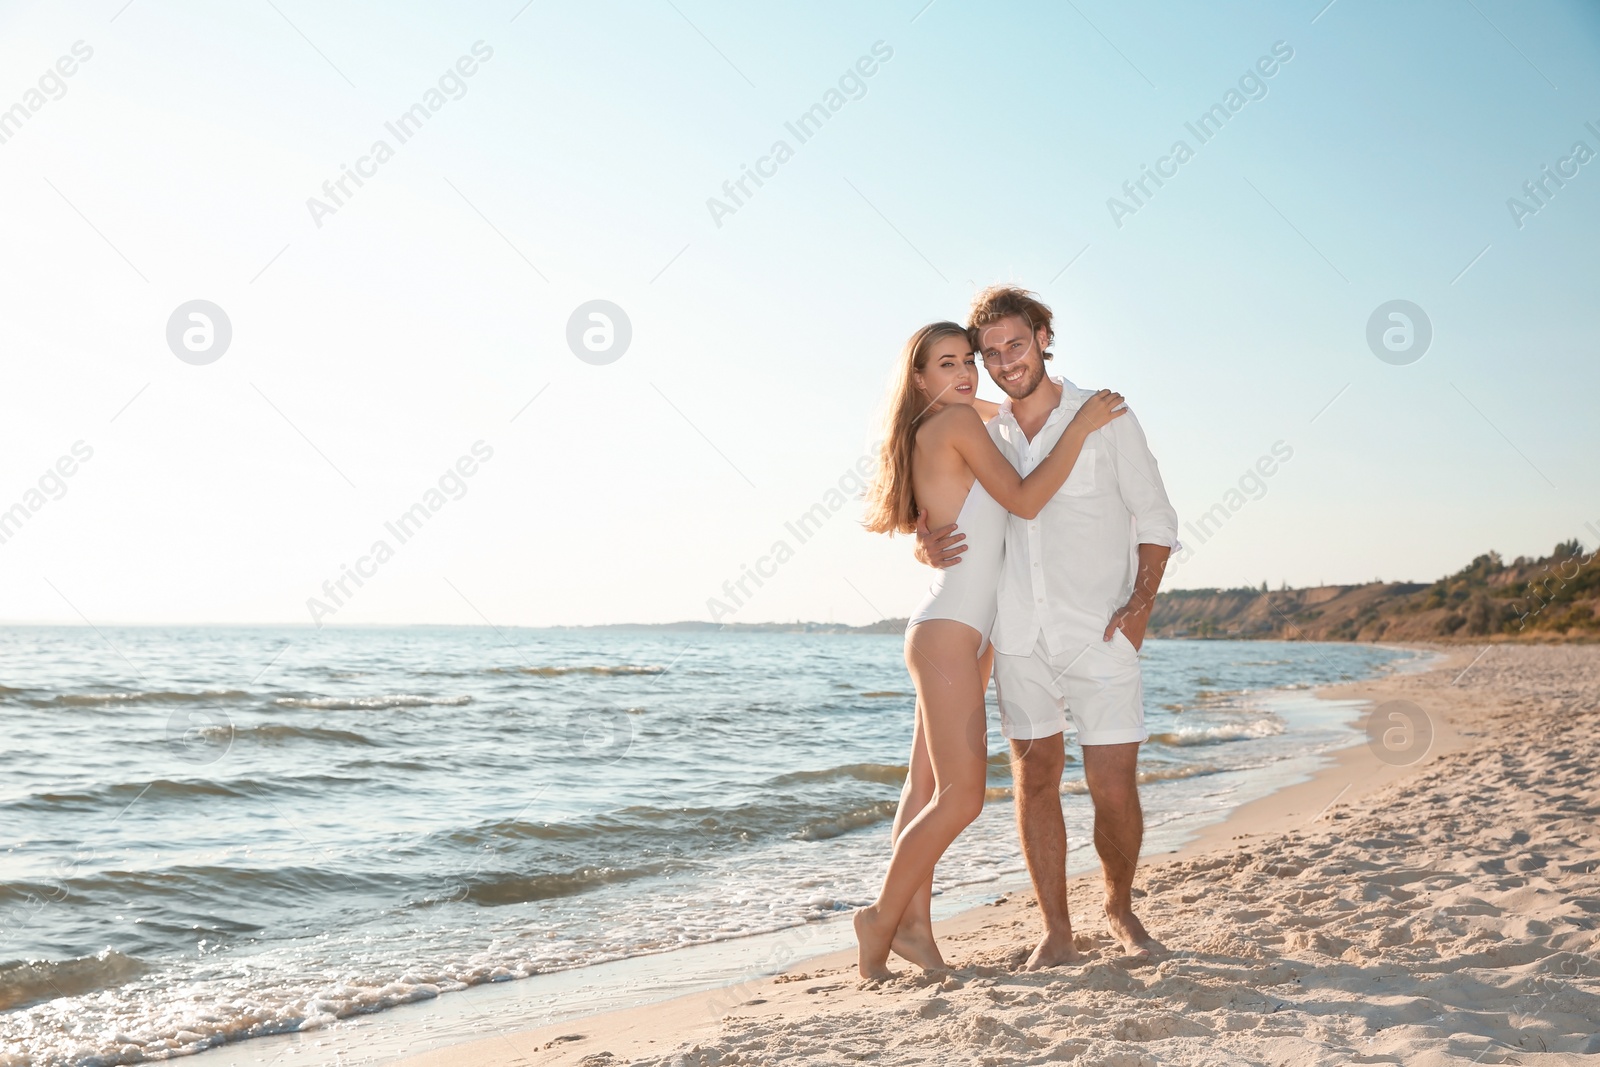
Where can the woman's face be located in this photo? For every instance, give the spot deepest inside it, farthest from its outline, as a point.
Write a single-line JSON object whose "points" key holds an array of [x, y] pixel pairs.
{"points": [[950, 376]]}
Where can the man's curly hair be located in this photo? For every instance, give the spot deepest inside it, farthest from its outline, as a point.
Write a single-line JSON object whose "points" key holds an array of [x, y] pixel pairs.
{"points": [[1000, 301]]}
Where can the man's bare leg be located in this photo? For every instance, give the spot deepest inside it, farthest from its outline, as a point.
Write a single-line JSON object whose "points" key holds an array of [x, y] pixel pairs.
{"points": [[1118, 835], [1036, 767]]}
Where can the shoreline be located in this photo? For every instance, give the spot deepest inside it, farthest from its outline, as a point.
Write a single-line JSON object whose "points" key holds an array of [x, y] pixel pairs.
{"points": [[380, 996], [1438, 914], [640, 1030]]}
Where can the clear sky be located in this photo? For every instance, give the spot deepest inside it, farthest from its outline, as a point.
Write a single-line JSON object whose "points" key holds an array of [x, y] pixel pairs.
{"points": [[377, 338]]}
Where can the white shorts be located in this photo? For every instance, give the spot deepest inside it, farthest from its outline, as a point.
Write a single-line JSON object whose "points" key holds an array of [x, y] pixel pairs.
{"points": [[1098, 683]]}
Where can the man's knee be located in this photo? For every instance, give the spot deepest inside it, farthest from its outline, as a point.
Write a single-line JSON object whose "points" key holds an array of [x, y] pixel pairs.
{"points": [[1038, 762], [1111, 770], [1114, 797], [1117, 818]]}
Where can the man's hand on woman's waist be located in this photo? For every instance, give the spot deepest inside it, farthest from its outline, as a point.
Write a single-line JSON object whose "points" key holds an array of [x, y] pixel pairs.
{"points": [[938, 548]]}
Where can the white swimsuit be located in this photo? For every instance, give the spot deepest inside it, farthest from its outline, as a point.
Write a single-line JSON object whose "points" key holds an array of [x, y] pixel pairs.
{"points": [[969, 591]]}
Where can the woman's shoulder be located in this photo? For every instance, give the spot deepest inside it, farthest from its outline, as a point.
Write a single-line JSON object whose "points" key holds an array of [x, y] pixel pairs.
{"points": [[943, 430], [954, 418]]}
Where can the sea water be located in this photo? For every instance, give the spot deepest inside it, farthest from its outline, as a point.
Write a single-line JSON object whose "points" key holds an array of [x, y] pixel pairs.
{"points": [[209, 834]]}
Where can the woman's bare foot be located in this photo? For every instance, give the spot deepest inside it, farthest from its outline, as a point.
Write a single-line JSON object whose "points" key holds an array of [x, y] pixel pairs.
{"points": [[1130, 932], [914, 943], [872, 943], [1053, 950]]}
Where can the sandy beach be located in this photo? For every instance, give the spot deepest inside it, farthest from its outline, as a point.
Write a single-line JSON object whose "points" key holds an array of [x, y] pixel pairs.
{"points": [[1441, 911]]}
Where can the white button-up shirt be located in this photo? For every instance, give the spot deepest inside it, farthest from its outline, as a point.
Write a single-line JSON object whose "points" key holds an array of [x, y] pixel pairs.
{"points": [[1071, 567]]}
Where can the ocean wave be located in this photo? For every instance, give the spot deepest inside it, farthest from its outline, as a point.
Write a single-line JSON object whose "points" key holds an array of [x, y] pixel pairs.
{"points": [[558, 672], [494, 890], [398, 700], [279, 733], [125, 792], [161, 696], [391, 765], [687, 831], [196, 1028], [1078, 787], [1214, 696], [33, 981], [1211, 735], [884, 773], [122, 794], [1211, 700], [202, 886], [578, 830], [822, 829], [1174, 774]]}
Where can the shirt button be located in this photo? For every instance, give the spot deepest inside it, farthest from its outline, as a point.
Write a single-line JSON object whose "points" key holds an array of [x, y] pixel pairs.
{"points": [[1035, 566]]}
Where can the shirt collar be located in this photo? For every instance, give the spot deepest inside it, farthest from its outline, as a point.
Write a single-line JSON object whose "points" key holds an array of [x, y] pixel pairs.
{"points": [[1070, 394], [1069, 399]]}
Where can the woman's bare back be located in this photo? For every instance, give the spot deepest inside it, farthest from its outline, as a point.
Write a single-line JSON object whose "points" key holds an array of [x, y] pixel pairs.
{"points": [[940, 477]]}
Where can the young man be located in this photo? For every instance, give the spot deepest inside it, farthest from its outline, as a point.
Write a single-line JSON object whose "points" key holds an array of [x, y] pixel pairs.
{"points": [[1074, 602]]}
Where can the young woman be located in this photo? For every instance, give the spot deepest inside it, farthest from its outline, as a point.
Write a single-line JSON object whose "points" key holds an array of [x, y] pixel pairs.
{"points": [[937, 457]]}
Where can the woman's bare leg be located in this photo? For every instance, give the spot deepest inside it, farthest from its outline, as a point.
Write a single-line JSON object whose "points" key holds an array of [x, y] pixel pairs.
{"points": [[943, 658], [913, 938]]}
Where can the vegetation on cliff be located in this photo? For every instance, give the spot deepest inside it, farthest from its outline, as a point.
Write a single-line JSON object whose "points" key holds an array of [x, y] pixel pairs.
{"points": [[1555, 596]]}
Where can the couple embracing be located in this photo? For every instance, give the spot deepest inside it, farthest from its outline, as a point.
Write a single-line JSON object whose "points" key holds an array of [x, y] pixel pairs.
{"points": [[1051, 532]]}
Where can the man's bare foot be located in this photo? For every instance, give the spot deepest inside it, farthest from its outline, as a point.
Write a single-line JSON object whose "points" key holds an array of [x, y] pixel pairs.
{"points": [[1130, 932], [914, 943], [1053, 950], [872, 943]]}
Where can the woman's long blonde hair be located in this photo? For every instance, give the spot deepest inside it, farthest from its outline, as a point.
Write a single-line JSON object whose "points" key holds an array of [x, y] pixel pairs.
{"points": [[891, 505]]}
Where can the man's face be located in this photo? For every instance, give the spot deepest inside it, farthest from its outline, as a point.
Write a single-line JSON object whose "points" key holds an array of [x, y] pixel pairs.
{"points": [[1013, 354]]}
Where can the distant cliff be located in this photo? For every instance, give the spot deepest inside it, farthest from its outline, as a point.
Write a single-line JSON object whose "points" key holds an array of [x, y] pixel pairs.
{"points": [[882, 626], [1557, 596]]}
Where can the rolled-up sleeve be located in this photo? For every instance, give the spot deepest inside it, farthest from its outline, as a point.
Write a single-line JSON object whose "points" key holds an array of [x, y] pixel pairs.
{"points": [[1139, 482]]}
